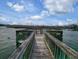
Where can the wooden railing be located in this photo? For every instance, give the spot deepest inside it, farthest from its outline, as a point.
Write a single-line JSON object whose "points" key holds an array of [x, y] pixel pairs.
{"points": [[59, 49], [19, 52]]}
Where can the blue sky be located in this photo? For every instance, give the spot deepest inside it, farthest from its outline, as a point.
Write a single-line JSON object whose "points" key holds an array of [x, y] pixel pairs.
{"points": [[38, 12]]}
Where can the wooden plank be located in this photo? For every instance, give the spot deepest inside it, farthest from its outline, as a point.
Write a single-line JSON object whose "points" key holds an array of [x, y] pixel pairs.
{"points": [[40, 50]]}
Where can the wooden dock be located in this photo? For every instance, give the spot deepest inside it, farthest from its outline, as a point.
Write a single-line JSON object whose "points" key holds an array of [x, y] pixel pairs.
{"points": [[42, 45], [40, 50]]}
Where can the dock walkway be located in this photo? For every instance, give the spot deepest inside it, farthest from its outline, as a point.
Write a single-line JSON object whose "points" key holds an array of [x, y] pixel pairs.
{"points": [[40, 50]]}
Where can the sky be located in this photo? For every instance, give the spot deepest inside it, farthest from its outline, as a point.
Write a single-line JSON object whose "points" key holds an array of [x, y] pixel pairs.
{"points": [[39, 12]]}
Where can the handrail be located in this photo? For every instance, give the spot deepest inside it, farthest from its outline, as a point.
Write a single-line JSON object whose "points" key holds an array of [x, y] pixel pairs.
{"points": [[66, 49], [21, 49]]}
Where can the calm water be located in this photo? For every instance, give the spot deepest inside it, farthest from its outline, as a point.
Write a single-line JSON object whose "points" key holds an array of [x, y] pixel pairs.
{"points": [[71, 39], [7, 42]]}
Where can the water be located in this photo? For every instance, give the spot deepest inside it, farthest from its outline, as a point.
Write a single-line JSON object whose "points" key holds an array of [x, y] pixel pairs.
{"points": [[7, 42], [71, 39]]}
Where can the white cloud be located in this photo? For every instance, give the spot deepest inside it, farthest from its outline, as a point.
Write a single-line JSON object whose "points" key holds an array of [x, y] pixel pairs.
{"points": [[39, 23], [63, 22], [2, 18], [60, 23], [44, 13], [25, 21], [36, 17], [17, 7], [28, 22], [9, 4], [70, 21], [14, 23], [22, 6], [54, 6], [30, 7]]}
